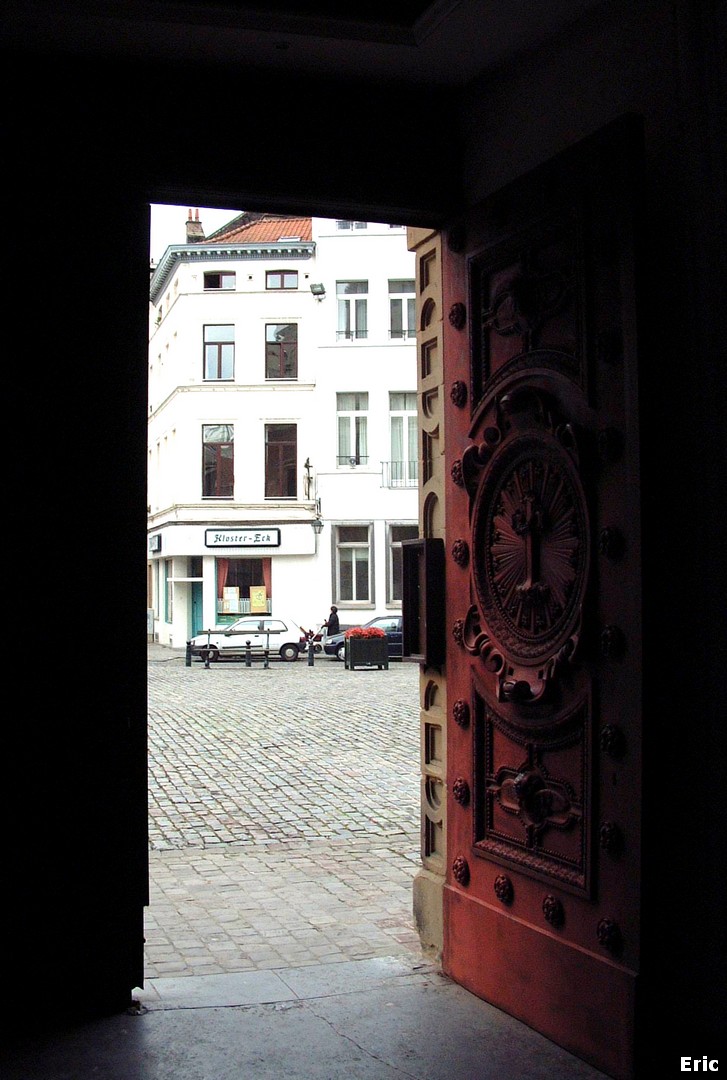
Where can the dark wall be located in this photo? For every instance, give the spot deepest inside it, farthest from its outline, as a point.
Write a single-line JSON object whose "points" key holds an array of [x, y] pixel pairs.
{"points": [[89, 144]]}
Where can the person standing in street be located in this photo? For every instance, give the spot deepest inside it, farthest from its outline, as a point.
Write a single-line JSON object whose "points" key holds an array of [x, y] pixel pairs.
{"points": [[332, 624]]}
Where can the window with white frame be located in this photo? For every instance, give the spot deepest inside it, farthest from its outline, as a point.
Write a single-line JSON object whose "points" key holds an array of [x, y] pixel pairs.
{"points": [[281, 279], [395, 575], [353, 564], [403, 470], [225, 279], [352, 299], [219, 353], [352, 417], [343, 224], [402, 308]]}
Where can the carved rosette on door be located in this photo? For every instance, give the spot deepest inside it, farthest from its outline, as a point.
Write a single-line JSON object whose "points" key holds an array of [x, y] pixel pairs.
{"points": [[530, 540]]}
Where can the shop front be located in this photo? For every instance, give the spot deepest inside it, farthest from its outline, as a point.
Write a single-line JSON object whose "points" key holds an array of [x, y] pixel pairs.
{"points": [[202, 577]]}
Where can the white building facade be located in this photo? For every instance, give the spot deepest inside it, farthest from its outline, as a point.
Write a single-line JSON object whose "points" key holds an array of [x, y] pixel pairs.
{"points": [[283, 446]]}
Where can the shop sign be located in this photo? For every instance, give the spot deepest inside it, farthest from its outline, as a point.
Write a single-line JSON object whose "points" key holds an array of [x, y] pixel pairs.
{"points": [[242, 538], [155, 544]]}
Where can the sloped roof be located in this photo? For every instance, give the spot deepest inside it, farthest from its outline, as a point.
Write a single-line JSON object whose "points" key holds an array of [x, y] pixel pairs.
{"points": [[263, 229]]}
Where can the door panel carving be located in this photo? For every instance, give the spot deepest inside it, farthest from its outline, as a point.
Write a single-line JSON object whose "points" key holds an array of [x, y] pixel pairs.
{"points": [[542, 609], [533, 791]]}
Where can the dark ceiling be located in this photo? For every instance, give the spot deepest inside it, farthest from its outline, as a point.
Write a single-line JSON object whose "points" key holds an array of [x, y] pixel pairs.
{"points": [[444, 43]]}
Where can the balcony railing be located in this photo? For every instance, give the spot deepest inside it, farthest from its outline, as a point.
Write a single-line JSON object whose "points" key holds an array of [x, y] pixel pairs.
{"points": [[399, 474], [352, 460], [240, 606], [343, 335]]}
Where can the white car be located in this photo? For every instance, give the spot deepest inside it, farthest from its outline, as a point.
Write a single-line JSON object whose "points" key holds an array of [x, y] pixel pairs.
{"points": [[281, 637]]}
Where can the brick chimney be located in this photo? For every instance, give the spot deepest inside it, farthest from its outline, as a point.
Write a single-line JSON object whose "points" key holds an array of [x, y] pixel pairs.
{"points": [[195, 232]]}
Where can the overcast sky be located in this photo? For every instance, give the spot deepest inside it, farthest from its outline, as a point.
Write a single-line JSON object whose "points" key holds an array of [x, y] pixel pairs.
{"points": [[168, 225]]}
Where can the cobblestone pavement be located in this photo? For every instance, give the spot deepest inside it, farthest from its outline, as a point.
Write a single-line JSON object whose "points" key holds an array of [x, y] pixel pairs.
{"points": [[283, 814]]}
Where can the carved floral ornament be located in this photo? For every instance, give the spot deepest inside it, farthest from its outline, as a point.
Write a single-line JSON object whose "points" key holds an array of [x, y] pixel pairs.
{"points": [[461, 791], [458, 394], [613, 740], [613, 643], [504, 890], [458, 316], [460, 552], [461, 713], [530, 545], [553, 911], [610, 838], [526, 303], [609, 935], [461, 870]]}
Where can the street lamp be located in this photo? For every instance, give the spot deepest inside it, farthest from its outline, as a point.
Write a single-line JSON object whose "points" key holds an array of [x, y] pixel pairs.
{"points": [[317, 526], [318, 290]]}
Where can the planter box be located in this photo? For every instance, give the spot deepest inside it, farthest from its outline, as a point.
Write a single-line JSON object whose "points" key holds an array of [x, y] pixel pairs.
{"points": [[367, 652]]}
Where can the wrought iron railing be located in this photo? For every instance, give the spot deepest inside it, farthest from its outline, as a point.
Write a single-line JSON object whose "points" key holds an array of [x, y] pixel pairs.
{"points": [[237, 607], [353, 460], [399, 474]]}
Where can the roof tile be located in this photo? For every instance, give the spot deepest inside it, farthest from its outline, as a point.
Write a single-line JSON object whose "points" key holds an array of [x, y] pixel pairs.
{"points": [[268, 229]]}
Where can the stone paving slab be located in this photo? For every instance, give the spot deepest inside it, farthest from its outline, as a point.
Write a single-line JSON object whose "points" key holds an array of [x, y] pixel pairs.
{"points": [[284, 814]]}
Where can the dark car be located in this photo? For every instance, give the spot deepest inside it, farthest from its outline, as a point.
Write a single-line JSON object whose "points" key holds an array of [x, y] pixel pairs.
{"points": [[335, 645]]}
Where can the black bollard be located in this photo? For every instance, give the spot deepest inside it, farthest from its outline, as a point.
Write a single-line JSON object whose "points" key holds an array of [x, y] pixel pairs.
{"points": [[266, 664], [188, 655], [248, 655]]}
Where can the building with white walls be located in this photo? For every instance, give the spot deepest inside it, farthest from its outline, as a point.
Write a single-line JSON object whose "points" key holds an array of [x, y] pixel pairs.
{"points": [[282, 423]]}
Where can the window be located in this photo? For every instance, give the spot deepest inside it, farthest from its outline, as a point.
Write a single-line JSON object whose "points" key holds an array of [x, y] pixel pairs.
{"points": [[281, 461], [351, 414], [235, 578], [218, 461], [397, 533], [223, 280], [402, 308], [352, 224], [353, 564], [352, 312], [403, 466], [281, 279], [219, 352], [281, 351]]}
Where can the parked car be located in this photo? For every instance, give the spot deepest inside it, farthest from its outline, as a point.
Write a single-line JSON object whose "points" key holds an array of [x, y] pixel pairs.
{"points": [[282, 637], [335, 645]]}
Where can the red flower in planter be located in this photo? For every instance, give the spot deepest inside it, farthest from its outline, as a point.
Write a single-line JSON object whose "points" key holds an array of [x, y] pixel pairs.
{"points": [[365, 632]]}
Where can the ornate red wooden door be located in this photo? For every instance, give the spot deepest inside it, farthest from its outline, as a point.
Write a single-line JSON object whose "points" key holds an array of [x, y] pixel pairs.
{"points": [[541, 901]]}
